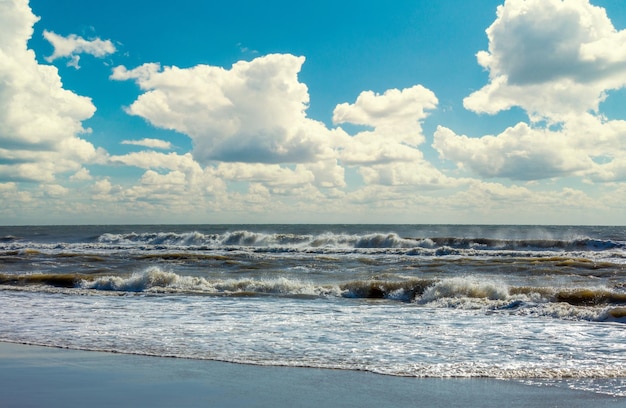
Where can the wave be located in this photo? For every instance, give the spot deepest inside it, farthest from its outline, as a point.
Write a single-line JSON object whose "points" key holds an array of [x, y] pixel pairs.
{"points": [[586, 253], [54, 280], [465, 288], [423, 291], [154, 279], [585, 303], [355, 241]]}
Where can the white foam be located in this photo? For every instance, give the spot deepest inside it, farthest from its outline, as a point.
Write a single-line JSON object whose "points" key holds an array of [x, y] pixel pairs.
{"points": [[156, 279], [152, 277], [465, 287], [397, 339]]}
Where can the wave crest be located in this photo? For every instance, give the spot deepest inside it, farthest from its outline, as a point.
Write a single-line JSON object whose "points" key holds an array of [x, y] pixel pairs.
{"points": [[155, 279], [137, 282], [445, 245], [466, 288]]}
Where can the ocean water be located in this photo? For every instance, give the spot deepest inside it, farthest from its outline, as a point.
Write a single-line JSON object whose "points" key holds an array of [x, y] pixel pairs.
{"points": [[541, 305]]}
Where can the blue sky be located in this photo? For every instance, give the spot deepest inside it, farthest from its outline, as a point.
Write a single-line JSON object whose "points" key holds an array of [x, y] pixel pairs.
{"points": [[244, 111]]}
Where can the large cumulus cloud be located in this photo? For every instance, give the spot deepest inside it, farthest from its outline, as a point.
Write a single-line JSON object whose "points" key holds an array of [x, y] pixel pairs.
{"points": [[550, 57], [557, 60], [254, 115], [389, 154], [40, 121], [254, 112]]}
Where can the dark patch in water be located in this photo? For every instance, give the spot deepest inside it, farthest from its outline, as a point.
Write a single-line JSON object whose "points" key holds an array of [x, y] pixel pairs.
{"points": [[590, 297], [56, 280], [380, 289]]}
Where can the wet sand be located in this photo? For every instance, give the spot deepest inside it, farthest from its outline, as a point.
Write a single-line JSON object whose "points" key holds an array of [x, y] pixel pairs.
{"points": [[32, 376]]}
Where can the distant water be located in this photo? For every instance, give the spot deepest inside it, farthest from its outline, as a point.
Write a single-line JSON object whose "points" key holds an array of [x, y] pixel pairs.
{"points": [[545, 305]]}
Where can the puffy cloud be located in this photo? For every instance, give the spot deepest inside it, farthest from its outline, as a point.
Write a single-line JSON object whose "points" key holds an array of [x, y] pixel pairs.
{"points": [[520, 152], [495, 203], [102, 188], [388, 154], [586, 146], [13, 201], [81, 175], [173, 178], [396, 115], [156, 160], [153, 143], [17, 24], [39, 120], [419, 173], [198, 181], [327, 173], [54, 190], [387, 200], [495, 198], [553, 58], [7, 187], [271, 174], [369, 148], [255, 112], [72, 45], [170, 189], [395, 118]]}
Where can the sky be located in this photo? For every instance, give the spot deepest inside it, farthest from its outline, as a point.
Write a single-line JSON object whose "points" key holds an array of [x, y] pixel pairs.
{"points": [[412, 111]]}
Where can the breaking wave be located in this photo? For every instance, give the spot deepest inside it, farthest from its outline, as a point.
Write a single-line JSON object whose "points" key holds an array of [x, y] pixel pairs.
{"points": [[585, 303], [156, 280], [329, 241]]}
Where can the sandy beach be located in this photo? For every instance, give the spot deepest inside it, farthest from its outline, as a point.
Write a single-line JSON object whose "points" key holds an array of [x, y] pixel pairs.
{"points": [[32, 376]]}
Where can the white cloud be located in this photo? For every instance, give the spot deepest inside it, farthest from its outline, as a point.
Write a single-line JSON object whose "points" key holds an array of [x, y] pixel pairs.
{"points": [[81, 175], [199, 181], [105, 191], [377, 197], [255, 112], [146, 142], [156, 160], [388, 154], [419, 173], [54, 190], [102, 188], [173, 178], [585, 146], [520, 152], [327, 173], [370, 148], [396, 114], [496, 201], [72, 45], [255, 150], [271, 174], [553, 58], [13, 201], [39, 120], [8, 187]]}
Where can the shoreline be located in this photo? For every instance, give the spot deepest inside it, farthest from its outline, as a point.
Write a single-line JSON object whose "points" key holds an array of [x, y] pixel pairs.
{"points": [[53, 377]]}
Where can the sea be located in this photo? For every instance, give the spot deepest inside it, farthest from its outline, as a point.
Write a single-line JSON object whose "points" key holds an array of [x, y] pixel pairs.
{"points": [[542, 305]]}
